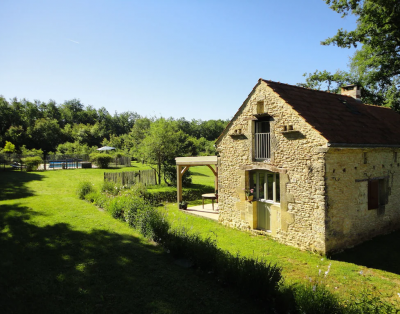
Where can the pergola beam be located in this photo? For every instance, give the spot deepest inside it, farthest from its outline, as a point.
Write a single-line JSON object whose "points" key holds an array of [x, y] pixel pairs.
{"points": [[184, 163]]}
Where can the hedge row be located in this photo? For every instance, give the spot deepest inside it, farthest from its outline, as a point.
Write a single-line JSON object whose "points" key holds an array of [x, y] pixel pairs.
{"points": [[157, 197]]}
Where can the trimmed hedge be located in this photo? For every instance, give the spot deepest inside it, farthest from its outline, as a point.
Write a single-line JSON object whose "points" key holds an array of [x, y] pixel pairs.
{"points": [[157, 197]]}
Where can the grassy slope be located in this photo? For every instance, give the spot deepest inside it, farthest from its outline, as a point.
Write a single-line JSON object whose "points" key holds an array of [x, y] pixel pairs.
{"points": [[60, 254], [378, 260], [55, 248]]}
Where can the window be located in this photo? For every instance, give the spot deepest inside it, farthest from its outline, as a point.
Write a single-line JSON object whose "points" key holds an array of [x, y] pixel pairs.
{"points": [[262, 139], [266, 186], [377, 193]]}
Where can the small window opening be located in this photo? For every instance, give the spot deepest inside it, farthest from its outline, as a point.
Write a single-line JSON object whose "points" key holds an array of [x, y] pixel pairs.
{"points": [[377, 193], [365, 158]]}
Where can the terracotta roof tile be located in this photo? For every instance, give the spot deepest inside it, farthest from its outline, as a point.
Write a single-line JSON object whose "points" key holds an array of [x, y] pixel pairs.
{"points": [[342, 119]]}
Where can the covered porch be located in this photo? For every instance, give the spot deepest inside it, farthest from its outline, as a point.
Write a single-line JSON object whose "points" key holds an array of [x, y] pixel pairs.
{"points": [[182, 165]]}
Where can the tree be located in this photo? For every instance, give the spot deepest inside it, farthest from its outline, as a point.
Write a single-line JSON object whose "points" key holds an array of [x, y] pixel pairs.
{"points": [[45, 134], [376, 65], [160, 144], [9, 148]]}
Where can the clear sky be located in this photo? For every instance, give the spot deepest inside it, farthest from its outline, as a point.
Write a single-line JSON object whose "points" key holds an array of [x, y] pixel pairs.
{"points": [[197, 59]]}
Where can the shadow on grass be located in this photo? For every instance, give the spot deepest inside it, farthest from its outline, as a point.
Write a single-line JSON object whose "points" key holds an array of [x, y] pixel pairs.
{"points": [[55, 269], [194, 173], [12, 184], [382, 252]]}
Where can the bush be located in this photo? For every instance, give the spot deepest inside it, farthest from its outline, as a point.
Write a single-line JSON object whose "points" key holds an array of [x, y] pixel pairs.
{"points": [[83, 189], [170, 175], [101, 160], [158, 197], [102, 201], [118, 205], [32, 163], [110, 188], [92, 197]]}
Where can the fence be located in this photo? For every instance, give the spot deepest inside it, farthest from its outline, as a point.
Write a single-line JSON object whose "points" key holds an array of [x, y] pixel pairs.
{"points": [[56, 161], [121, 162], [147, 177]]}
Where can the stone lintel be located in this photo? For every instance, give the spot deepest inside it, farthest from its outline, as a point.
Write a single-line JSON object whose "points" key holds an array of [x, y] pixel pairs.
{"points": [[263, 166]]}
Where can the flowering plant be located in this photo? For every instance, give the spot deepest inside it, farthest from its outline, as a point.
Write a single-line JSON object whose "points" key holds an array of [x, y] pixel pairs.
{"points": [[249, 192]]}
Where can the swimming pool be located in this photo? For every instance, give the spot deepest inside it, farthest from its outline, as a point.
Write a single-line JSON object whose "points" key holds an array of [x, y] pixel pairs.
{"points": [[64, 164]]}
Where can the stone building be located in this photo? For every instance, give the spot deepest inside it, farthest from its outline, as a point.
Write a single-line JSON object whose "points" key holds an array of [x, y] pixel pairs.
{"points": [[325, 168]]}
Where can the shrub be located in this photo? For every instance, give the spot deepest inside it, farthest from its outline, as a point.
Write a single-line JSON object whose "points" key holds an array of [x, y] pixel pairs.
{"points": [[101, 160], [102, 201], [32, 163], [315, 299], [92, 197], [110, 188], [158, 197], [84, 188], [117, 206], [138, 189]]}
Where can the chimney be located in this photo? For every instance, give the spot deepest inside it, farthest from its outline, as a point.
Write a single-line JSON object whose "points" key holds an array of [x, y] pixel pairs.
{"points": [[352, 91]]}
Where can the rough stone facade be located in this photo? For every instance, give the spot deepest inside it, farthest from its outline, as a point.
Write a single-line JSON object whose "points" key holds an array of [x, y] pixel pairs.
{"points": [[348, 219], [298, 219], [324, 190]]}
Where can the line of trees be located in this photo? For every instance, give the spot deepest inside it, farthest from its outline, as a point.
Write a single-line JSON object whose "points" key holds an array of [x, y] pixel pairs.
{"points": [[72, 128]]}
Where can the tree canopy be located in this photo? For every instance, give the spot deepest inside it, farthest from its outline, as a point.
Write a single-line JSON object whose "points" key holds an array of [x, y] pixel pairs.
{"points": [[376, 64]]}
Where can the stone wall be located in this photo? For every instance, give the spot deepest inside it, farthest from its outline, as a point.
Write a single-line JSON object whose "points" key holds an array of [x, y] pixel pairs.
{"points": [[299, 219], [348, 220]]}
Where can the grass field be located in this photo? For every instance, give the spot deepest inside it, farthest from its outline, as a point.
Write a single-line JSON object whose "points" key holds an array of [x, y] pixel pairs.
{"points": [[60, 254]]}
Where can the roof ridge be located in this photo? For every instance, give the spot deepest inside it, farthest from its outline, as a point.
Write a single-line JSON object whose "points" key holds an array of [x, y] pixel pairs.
{"points": [[315, 90]]}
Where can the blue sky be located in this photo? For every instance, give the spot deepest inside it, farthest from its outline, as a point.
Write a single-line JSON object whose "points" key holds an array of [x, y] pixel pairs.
{"points": [[195, 59]]}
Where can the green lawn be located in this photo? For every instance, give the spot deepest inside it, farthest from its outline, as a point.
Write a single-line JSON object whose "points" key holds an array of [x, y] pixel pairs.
{"points": [[59, 254]]}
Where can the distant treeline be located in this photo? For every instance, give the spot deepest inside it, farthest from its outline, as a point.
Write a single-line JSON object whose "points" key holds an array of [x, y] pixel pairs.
{"points": [[72, 127]]}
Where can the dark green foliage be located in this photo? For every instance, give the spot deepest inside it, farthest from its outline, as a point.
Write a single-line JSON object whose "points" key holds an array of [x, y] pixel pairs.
{"points": [[139, 214], [117, 206], [84, 188], [170, 175], [32, 163], [158, 197], [316, 299], [375, 66], [101, 160]]}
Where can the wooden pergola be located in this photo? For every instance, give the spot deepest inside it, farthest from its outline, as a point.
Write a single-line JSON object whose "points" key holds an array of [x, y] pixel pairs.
{"points": [[184, 163]]}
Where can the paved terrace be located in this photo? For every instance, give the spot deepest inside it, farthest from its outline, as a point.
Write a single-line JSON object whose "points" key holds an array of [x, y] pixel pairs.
{"points": [[207, 212]]}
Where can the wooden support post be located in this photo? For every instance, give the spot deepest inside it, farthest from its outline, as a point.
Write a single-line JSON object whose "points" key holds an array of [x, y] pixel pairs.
{"points": [[179, 183], [216, 179]]}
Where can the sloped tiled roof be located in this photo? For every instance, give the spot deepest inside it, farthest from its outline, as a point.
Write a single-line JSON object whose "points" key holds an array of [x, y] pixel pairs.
{"points": [[342, 119]]}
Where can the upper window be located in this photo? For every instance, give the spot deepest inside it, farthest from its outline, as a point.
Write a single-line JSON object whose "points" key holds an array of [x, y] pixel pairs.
{"points": [[266, 186], [262, 140]]}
